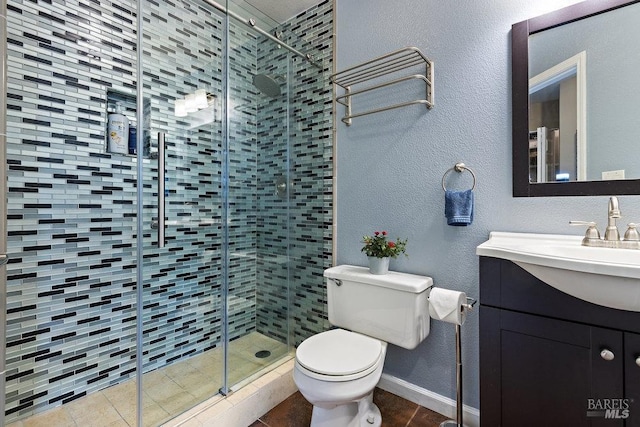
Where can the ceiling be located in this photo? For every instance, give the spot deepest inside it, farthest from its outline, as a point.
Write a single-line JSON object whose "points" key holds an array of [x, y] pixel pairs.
{"points": [[279, 10]]}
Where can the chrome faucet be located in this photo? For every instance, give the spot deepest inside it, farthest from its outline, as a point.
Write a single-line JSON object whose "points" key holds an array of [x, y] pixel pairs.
{"points": [[614, 212], [611, 236]]}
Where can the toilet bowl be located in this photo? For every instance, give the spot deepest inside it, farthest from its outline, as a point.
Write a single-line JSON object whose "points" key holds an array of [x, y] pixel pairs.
{"points": [[336, 371]]}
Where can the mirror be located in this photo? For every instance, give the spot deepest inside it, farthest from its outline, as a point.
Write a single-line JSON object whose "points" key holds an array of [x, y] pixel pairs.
{"points": [[574, 97]]}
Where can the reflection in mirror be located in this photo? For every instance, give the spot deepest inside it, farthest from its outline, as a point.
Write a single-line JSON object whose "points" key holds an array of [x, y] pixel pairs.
{"points": [[557, 117], [575, 75], [608, 41]]}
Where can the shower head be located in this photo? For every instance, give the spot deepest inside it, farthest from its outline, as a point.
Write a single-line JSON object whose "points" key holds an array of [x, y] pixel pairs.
{"points": [[269, 84]]}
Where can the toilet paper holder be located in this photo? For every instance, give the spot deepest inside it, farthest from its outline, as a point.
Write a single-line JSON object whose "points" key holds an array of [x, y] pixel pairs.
{"points": [[471, 302], [464, 307]]}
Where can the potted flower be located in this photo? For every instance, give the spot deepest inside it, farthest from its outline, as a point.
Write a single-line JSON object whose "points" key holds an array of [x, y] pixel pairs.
{"points": [[379, 250]]}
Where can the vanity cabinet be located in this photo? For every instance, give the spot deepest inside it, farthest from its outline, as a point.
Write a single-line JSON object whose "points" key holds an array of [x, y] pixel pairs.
{"points": [[546, 356], [632, 375]]}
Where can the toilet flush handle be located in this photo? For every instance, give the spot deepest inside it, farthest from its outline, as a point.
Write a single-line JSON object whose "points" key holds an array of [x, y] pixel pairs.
{"points": [[336, 281]]}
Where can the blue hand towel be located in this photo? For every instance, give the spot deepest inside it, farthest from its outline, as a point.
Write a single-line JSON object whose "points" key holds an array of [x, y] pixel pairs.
{"points": [[458, 207]]}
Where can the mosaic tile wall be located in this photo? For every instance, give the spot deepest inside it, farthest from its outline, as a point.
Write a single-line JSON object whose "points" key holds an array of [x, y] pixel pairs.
{"points": [[298, 225], [72, 206]]}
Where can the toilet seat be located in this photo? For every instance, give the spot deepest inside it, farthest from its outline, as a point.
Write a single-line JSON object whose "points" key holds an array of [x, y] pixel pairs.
{"points": [[339, 355]]}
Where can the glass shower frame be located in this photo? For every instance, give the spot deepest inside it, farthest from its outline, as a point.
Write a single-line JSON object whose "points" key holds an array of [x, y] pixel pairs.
{"points": [[276, 263]]}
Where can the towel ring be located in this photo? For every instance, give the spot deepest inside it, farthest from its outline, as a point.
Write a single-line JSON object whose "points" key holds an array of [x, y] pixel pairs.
{"points": [[459, 167]]}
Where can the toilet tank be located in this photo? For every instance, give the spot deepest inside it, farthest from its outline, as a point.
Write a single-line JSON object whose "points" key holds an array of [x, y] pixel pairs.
{"points": [[392, 307]]}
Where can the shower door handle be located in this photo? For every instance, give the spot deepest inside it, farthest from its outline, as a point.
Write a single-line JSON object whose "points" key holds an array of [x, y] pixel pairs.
{"points": [[161, 188]]}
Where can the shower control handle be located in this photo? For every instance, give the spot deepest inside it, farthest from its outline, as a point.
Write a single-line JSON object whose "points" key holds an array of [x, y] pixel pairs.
{"points": [[161, 188], [281, 187]]}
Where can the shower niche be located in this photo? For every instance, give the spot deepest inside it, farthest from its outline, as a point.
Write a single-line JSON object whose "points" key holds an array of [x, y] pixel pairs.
{"points": [[121, 123]]}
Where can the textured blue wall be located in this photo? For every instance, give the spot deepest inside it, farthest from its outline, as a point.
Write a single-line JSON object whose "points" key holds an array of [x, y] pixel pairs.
{"points": [[389, 165]]}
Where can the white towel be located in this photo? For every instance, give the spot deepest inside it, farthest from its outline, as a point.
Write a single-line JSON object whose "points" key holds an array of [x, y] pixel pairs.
{"points": [[446, 305]]}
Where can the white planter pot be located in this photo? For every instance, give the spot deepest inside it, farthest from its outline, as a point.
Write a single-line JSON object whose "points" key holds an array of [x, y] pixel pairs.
{"points": [[378, 265]]}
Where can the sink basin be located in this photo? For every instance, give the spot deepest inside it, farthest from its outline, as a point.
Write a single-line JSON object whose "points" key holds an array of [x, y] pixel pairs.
{"points": [[604, 276]]}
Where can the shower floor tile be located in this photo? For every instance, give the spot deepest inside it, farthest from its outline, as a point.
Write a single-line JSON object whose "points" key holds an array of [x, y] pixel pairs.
{"points": [[168, 391]]}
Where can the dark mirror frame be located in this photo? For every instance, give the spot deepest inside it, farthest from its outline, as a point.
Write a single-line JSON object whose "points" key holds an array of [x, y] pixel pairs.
{"points": [[520, 106]]}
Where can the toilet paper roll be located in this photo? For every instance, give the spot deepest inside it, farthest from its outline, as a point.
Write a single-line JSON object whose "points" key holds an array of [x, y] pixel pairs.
{"points": [[446, 305]]}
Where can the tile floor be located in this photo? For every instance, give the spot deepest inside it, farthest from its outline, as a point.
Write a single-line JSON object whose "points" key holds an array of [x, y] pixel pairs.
{"points": [[168, 391], [396, 412]]}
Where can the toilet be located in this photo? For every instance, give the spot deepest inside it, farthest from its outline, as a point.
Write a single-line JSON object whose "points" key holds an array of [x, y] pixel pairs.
{"points": [[337, 370]]}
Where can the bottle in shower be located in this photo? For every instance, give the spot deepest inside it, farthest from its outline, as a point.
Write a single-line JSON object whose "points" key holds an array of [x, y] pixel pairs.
{"points": [[118, 131]]}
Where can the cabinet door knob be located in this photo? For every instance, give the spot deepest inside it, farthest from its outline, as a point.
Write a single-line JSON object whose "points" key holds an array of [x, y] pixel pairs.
{"points": [[638, 361], [607, 354]]}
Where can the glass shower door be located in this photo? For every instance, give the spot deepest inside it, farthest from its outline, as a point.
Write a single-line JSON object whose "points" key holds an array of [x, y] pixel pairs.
{"points": [[223, 108], [258, 204], [183, 230]]}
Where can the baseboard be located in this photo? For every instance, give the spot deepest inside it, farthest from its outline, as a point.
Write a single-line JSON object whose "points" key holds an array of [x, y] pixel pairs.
{"points": [[428, 399]]}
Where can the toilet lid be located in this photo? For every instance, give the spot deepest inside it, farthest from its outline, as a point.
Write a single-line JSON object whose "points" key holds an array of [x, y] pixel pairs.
{"points": [[338, 352]]}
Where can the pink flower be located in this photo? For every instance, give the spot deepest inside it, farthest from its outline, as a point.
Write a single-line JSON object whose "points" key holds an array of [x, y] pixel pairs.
{"points": [[380, 246]]}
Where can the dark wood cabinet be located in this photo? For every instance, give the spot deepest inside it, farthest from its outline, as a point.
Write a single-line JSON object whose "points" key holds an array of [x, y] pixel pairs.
{"points": [[632, 376], [549, 359]]}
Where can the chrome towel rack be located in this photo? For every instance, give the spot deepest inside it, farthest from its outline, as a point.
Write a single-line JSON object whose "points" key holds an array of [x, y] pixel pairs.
{"points": [[459, 167], [354, 80]]}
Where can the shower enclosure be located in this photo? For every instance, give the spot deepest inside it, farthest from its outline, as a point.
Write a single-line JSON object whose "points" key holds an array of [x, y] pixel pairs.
{"points": [[153, 279]]}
